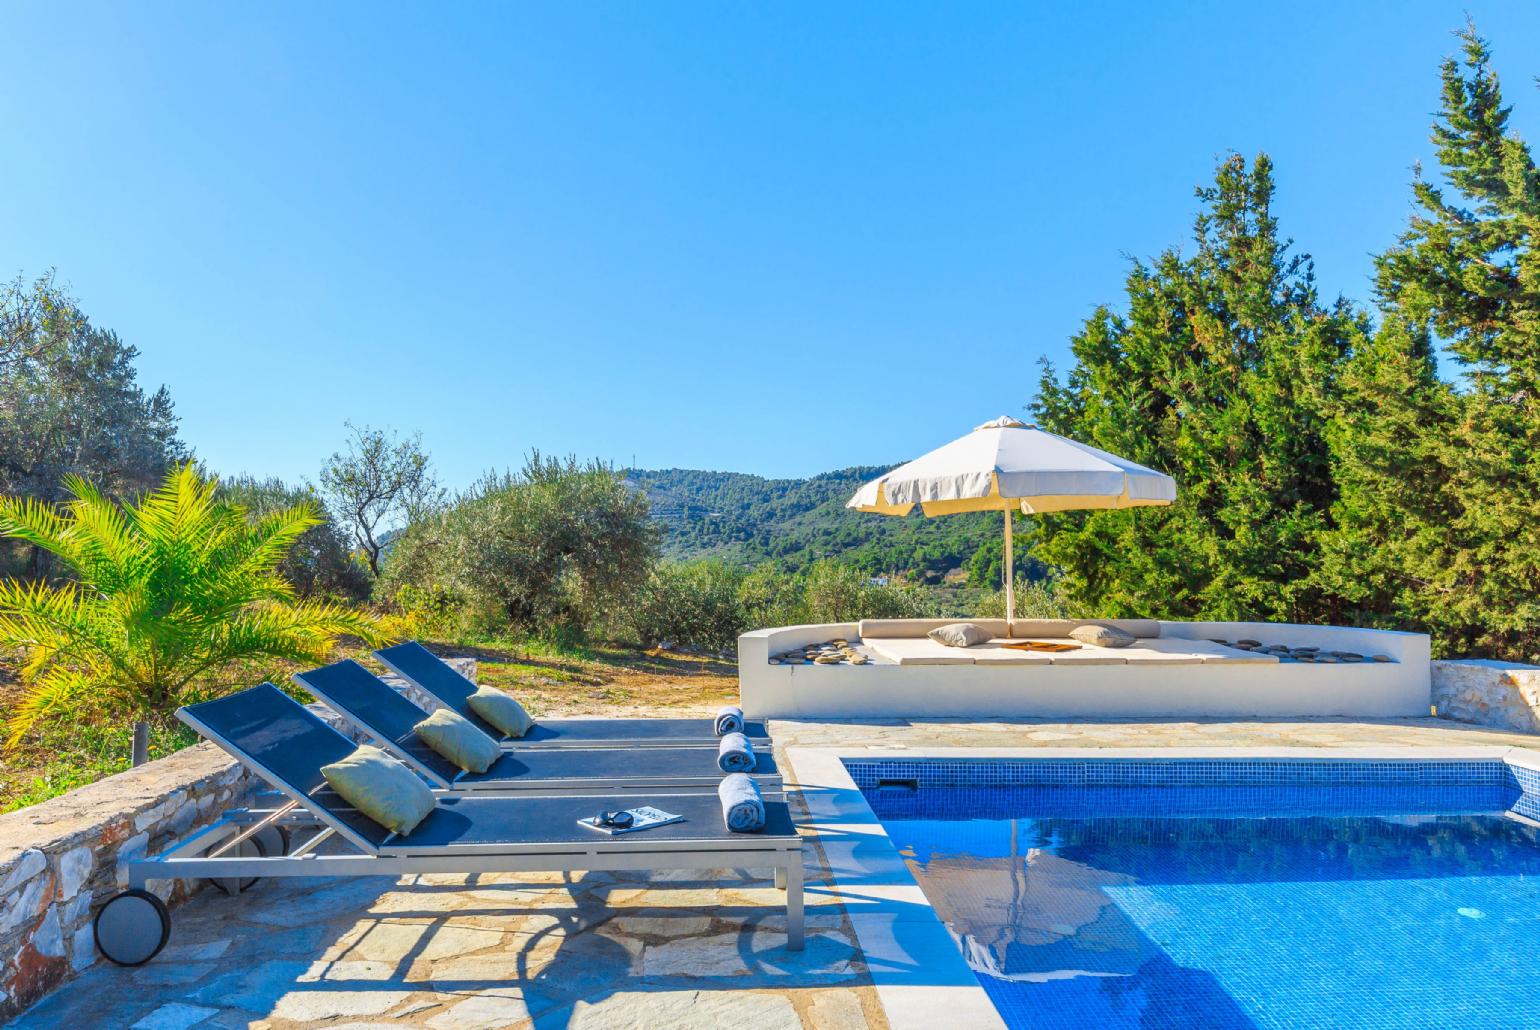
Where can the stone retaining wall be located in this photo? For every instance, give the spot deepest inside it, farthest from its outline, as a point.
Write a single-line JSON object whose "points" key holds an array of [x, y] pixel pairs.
{"points": [[1505, 695], [61, 858]]}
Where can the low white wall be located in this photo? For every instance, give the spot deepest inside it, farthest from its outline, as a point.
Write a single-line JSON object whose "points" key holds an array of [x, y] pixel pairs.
{"points": [[1366, 690]]}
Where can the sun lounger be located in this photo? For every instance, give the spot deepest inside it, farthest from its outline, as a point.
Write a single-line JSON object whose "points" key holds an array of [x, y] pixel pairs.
{"points": [[377, 709], [281, 742], [430, 674]]}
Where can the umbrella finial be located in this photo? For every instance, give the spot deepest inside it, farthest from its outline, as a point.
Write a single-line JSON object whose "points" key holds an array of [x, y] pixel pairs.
{"points": [[1003, 422]]}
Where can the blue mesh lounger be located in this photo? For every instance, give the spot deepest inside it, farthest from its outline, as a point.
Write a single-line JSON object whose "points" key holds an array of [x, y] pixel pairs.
{"points": [[282, 743], [377, 709], [426, 671]]}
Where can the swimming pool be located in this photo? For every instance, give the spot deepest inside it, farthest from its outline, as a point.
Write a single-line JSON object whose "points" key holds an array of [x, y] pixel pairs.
{"points": [[1211, 893]]}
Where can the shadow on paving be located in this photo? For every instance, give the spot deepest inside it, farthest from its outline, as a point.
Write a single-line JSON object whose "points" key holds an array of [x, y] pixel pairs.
{"points": [[486, 950]]}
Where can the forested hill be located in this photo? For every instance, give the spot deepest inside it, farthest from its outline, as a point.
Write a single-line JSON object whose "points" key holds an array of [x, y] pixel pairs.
{"points": [[749, 520]]}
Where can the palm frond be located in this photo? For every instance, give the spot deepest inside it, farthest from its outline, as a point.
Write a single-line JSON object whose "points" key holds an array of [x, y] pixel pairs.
{"points": [[57, 692], [49, 626], [38, 523], [108, 552], [177, 591]]}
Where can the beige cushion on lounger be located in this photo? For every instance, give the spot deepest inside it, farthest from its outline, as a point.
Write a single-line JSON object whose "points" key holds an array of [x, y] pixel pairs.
{"points": [[381, 788], [457, 740], [960, 634], [501, 709]]}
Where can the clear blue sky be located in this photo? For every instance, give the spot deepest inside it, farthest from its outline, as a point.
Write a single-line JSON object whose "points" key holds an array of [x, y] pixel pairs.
{"points": [[769, 238]]}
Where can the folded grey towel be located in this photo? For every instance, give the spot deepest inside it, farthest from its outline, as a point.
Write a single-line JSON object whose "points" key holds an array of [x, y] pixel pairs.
{"points": [[729, 720], [735, 754], [742, 808]]}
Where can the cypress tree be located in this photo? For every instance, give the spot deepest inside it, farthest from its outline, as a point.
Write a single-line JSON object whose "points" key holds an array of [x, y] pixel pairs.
{"points": [[1467, 271], [1391, 535], [1222, 373]]}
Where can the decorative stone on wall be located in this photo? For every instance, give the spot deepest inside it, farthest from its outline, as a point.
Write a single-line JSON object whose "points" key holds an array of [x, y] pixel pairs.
{"points": [[1505, 695], [62, 858]]}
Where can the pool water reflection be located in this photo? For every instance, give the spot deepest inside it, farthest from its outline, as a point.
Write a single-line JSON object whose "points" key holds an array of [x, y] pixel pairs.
{"points": [[1192, 906]]}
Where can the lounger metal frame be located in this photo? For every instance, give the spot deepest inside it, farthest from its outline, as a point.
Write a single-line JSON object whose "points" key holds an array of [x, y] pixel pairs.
{"points": [[706, 782], [201, 855]]}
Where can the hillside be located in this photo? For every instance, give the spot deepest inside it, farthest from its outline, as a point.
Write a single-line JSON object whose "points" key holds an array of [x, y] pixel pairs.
{"points": [[749, 520]]}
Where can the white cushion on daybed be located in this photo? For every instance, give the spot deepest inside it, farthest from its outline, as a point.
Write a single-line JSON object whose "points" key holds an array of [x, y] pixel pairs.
{"points": [[1022, 629], [900, 629], [1169, 651], [993, 654], [919, 651], [1055, 629]]}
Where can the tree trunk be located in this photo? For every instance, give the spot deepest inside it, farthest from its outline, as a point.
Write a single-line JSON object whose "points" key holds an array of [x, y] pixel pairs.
{"points": [[141, 742]]}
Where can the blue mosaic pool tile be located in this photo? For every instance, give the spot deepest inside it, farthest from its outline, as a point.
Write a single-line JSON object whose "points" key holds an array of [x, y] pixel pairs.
{"points": [[1239, 801], [1177, 772], [1528, 781]]}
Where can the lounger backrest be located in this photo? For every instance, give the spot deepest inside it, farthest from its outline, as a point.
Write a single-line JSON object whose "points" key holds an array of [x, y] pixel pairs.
{"points": [[274, 736], [429, 672], [375, 706]]}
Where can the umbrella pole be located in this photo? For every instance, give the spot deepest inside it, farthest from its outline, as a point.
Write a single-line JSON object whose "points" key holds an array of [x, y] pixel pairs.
{"points": [[1010, 578]]}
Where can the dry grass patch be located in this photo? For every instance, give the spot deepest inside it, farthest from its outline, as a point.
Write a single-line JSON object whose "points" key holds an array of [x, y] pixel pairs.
{"points": [[602, 680]]}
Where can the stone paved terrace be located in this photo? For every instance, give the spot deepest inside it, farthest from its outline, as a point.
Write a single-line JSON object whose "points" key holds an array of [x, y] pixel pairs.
{"points": [[588, 950]]}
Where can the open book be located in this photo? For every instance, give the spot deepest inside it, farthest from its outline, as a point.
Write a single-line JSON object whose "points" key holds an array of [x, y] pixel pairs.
{"points": [[643, 818]]}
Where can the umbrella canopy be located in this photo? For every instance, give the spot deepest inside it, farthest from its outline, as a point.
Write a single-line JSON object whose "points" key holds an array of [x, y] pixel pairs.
{"points": [[1007, 465]]}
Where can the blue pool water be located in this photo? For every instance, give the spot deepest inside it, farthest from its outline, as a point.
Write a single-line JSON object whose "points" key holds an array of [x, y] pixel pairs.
{"points": [[1372, 904]]}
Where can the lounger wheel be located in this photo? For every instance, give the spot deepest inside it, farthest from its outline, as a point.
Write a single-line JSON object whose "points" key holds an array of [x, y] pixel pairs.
{"points": [[275, 839], [132, 927], [270, 840]]}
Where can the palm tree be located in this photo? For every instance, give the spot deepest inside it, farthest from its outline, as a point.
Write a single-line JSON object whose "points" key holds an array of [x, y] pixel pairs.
{"points": [[169, 598]]}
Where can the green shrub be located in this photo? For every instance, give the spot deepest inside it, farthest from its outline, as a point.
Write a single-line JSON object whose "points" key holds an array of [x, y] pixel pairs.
{"points": [[837, 593], [1035, 599], [319, 564], [694, 605], [558, 550], [706, 605]]}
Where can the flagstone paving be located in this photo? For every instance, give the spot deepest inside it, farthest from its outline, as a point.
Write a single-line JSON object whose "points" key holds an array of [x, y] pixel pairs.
{"points": [[584, 950], [591, 950]]}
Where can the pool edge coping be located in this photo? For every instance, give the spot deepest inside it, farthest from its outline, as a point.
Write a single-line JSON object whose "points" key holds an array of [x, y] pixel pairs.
{"points": [[917, 971]]}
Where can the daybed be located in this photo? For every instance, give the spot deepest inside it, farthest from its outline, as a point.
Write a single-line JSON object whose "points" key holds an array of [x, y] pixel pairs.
{"points": [[1174, 669]]}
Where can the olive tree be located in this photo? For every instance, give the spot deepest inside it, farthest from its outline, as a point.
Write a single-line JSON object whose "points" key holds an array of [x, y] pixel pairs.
{"points": [[381, 483], [554, 549]]}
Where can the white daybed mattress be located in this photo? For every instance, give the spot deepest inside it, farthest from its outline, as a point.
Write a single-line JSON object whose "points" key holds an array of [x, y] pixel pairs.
{"points": [[1155, 651]]}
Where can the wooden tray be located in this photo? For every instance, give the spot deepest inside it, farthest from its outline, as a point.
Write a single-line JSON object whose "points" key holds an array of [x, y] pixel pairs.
{"points": [[1040, 645]]}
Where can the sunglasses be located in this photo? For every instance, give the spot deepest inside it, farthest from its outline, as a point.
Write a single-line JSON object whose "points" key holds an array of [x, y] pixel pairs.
{"points": [[615, 820]]}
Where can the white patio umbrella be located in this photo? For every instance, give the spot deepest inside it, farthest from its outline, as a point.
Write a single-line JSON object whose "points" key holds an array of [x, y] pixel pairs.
{"points": [[1006, 465]]}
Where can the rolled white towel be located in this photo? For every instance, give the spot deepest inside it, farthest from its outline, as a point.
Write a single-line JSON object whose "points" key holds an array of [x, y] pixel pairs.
{"points": [[743, 810], [729, 720], [735, 754]]}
